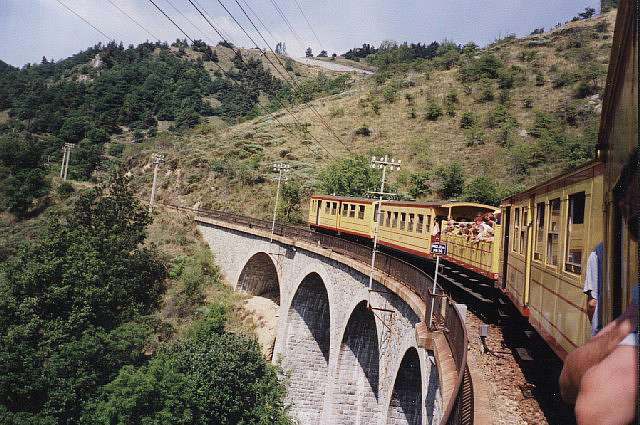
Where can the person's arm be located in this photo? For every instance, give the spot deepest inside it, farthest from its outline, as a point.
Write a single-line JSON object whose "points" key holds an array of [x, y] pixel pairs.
{"points": [[593, 352]]}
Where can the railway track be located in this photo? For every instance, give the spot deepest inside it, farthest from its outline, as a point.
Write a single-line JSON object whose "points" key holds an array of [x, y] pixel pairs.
{"points": [[521, 367]]}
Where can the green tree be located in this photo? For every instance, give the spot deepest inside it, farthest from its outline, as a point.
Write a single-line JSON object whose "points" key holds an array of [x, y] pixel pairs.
{"points": [[208, 377], [351, 176], [450, 180], [71, 304], [290, 209], [433, 112], [482, 189], [22, 179]]}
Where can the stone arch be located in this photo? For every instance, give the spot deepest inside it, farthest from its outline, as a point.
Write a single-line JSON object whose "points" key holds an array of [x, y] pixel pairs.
{"points": [[358, 369], [307, 345], [260, 277], [405, 406]]}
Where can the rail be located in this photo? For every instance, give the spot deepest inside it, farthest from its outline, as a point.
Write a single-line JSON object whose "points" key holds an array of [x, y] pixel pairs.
{"points": [[460, 407]]}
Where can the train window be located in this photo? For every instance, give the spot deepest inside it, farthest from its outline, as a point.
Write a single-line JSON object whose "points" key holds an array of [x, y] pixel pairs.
{"points": [[411, 218], [420, 224], [516, 230], [352, 211], [553, 232], [327, 207], [523, 231], [395, 219], [388, 218], [575, 233], [345, 210], [334, 209], [403, 218], [361, 212], [540, 209], [428, 224]]}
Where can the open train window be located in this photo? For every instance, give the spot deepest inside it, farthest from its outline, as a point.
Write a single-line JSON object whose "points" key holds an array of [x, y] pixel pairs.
{"points": [[553, 233], [420, 224], [411, 219], [540, 212], [428, 224], [327, 207], [575, 233], [516, 230], [334, 209], [403, 218], [395, 219], [361, 212], [388, 218], [352, 211]]}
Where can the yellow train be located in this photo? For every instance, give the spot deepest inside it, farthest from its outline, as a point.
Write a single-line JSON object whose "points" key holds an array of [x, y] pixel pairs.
{"points": [[545, 234], [409, 227]]}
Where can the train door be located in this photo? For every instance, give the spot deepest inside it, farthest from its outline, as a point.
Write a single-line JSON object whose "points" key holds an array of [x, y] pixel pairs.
{"points": [[319, 205], [506, 220]]}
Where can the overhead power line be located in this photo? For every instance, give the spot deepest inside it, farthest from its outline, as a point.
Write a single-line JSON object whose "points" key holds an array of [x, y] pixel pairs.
{"points": [[291, 78], [85, 20], [171, 20], [188, 20], [230, 76], [133, 20], [308, 23], [286, 21], [259, 20]]}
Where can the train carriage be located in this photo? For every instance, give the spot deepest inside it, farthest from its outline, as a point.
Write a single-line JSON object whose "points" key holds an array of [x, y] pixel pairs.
{"points": [[549, 232]]}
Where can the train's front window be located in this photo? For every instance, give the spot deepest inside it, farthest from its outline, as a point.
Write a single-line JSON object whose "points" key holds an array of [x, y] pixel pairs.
{"points": [[575, 233], [553, 233]]}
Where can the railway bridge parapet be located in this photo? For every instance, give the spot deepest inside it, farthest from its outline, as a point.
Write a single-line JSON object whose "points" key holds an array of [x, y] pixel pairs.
{"points": [[346, 363]]}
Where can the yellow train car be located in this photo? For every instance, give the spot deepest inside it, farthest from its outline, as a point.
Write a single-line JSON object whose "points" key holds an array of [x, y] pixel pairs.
{"points": [[409, 227], [619, 150], [549, 232]]}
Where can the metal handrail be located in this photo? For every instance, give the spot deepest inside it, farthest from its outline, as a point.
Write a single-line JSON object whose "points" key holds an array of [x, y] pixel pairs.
{"points": [[459, 410]]}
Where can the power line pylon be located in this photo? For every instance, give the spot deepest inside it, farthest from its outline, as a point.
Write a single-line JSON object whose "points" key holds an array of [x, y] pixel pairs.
{"points": [[157, 160], [66, 153], [383, 163], [281, 169]]}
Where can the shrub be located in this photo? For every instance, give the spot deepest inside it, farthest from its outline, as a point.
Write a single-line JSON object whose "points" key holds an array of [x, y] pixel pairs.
{"points": [[351, 176], [433, 112], [116, 149], [363, 131], [467, 120], [389, 93], [65, 189], [450, 180], [475, 136], [412, 113], [483, 190], [451, 109], [410, 99], [543, 123], [539, 80], [486, 92], [336, 113], [420, 183]]}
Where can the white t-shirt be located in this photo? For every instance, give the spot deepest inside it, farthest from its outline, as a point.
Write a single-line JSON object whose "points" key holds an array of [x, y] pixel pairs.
{"points": [[591, 285]]}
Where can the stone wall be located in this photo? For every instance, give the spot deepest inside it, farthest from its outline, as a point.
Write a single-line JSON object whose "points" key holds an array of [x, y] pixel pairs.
{"points": [[347, 364]]}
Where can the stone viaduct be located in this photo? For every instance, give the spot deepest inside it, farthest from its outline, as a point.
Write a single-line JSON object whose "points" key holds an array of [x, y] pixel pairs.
{"points": [[346, 363]]}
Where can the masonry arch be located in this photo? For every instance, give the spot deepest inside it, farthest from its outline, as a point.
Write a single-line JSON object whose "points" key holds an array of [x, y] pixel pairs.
{"points": [[307, 346], [358, 369], [405, 407], [259, 276]]}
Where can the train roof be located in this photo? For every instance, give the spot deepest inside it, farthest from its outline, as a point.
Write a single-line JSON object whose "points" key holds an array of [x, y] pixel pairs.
{"points": [[433, 204], [587, 171]]}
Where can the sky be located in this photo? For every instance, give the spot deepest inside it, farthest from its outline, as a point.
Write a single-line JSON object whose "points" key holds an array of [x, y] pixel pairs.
{"points": [[31, 29]]}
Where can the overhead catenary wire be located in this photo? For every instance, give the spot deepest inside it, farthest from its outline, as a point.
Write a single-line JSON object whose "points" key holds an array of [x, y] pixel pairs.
{"points": [[171, 20], [259, 19], [286, 21], [186, 18], [85, 20], [276, 98], [132, 19], [292, 79], [308, 23]]}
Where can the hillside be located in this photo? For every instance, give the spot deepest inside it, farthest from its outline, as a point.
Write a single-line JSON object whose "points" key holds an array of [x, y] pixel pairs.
{"points": [[530, 107]]}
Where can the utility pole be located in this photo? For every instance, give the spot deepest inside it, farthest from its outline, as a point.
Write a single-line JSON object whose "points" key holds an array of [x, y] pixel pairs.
{"points": [[280, 168], [66, 153], [157, 160], [382, 163]]}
